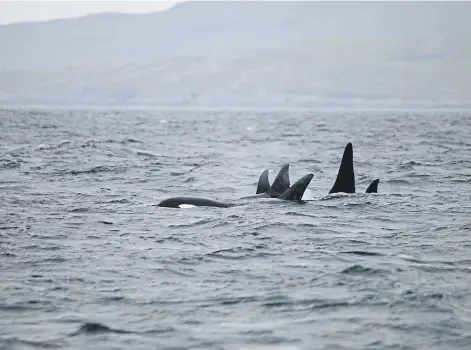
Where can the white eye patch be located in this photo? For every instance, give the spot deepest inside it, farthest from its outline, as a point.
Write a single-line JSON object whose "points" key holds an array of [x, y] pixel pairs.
{"points": [[186, 206]]}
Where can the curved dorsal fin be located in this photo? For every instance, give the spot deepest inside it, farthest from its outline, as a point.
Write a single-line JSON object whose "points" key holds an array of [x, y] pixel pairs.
{"points": [[263, 183], [281, 183], [295, 192], [373, 187], [345, 181]]}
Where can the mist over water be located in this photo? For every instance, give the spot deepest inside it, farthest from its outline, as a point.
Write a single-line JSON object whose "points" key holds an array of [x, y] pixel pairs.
{"points": [[88, 261]]}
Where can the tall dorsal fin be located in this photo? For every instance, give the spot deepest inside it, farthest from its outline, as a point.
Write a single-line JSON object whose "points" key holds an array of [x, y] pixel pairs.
{"points": [[295, 192], [373, 187], [263, 183], [345, 181], [281, 183]]}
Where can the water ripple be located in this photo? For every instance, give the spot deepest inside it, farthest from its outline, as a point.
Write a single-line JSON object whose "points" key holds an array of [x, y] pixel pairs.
{"points": [[89, 261]]}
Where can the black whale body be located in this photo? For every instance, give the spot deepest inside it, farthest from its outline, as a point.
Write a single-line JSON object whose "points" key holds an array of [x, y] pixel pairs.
{"points": [[181, 202], [345, 181], [279, 186], [281, 189], [293, 193]]}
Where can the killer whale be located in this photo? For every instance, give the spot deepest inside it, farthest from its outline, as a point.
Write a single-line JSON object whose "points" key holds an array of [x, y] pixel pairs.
{"points": [[281, 189], [345, 181], [373, 187], [263, 184], [189, 202], [296, 192], [279, 186], [293, 193]]}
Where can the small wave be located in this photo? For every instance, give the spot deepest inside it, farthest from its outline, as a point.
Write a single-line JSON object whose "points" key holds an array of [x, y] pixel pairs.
{"points": [[233, 216], [278, 225], [234, 301], [193, 224], [9, 164], [8, 255], [251, 233], [310, 161], [14, 342], [90, 328], [397, 181], [410, 294], [97, 328], [96, 170], [309, 304], [410, 258], [28, 306], [79, 210], [292, 213], [336, 195], [230, 254], [239, 253], [360, 270], [8, 227], [358, 204], [130, 141], [220, 223], [105, 222], [147, 154], [461, 180], [51, 147], [420, 176], [118, 201], [409, 165], [291, 135], [54, 260], [116, 298], [362, 253]]}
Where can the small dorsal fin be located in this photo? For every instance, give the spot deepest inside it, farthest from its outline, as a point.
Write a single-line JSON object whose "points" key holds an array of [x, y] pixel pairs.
{"points": [[281, 183], [373, 187], [345, 181], [263, 183], [295, 192]]}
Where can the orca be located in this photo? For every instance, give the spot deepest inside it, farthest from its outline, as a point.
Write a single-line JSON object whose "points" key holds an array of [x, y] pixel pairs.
{"points": [[263, 183], [345, 181], [373, 187], [296, 192], [190, 202], [293, 193], [279, 186]]}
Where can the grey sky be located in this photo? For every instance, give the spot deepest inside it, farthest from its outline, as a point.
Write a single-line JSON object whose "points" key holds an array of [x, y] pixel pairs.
{"points": [[29, 11]]}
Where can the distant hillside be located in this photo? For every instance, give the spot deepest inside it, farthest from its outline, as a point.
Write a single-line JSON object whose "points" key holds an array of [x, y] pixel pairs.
{"points": [[245, 53]]}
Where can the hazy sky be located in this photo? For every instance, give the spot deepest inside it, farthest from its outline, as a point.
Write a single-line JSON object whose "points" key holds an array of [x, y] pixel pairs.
{"points": [[27, 11]]}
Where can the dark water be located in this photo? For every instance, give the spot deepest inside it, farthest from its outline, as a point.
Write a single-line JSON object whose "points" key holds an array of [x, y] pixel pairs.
{"points": [[87, 261]]}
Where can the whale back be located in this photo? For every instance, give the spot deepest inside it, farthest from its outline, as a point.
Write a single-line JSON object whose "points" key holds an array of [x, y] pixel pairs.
{"points": [[296, 192], [189, 202]]}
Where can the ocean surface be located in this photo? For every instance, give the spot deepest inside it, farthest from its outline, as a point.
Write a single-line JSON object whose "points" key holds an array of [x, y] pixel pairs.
{"points": [[88, 261]]}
